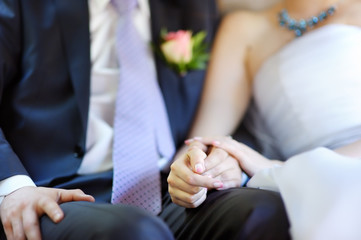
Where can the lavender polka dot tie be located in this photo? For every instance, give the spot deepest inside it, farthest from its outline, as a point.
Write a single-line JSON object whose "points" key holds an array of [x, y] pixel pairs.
{"points": [[141, 128]]}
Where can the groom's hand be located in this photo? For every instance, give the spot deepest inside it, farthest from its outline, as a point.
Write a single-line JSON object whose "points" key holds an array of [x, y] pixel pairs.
{"points": [[20, 210], [186, 184]]}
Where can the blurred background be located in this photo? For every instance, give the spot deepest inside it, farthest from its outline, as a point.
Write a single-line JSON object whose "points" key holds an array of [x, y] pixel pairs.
{"points": [[230, 5]]}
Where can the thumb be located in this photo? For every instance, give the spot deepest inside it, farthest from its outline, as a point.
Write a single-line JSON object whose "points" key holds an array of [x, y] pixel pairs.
{"points": [[196, 158]]}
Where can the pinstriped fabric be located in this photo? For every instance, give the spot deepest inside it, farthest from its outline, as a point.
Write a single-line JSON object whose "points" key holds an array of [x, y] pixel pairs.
{"points": [[141, 127]]}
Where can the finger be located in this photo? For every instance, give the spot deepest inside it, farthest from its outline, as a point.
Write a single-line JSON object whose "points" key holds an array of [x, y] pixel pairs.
{"points": [[216, 157], [191, 202], [231, 178], [210, 140], [178, 183], [217, 170], [6, 223], [73, 195], [186, 197], [194, 142], [8, 229], [229, 184], [31, 224], [227, 144], [194, 179], [228, 164], [51, 208], [180, 168], [17, 228], [196, 158]]}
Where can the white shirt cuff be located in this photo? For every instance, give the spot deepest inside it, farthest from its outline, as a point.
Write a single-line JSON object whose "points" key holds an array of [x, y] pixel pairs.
{"points": [[245, 179], [13, 183]]}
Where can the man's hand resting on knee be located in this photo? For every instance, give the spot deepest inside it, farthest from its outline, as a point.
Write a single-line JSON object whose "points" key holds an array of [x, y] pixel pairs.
{"points": [[20, 210]]}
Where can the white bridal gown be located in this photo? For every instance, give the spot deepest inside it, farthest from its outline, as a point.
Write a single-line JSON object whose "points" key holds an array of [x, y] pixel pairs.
{"points": [[307, 101]]}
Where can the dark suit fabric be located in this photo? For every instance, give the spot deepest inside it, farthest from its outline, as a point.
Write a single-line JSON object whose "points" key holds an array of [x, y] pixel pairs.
{"points": [[238, 213], [44, 87], [44, 81], [44, 98], [182, 93]]}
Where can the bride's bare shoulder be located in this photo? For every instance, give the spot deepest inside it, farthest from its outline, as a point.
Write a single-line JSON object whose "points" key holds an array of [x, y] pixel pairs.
{"points": [[250, 24]]}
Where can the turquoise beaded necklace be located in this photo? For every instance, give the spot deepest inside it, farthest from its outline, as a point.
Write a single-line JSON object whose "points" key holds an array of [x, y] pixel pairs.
{"points": [[299, 27]]}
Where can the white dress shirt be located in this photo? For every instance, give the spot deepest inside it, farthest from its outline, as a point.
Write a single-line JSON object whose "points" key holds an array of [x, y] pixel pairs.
{"points": [[104, 80], [105, 76]]}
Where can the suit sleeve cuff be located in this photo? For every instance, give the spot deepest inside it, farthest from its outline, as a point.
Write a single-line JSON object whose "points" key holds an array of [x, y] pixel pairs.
{"points": [[13, 183]]}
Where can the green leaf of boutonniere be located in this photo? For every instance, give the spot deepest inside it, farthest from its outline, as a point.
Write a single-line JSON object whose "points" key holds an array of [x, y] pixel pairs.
{"points": [[183, 51]]}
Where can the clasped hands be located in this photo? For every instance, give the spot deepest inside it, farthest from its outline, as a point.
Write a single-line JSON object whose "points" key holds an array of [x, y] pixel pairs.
{"points": [[211, 163], [200, 167]]}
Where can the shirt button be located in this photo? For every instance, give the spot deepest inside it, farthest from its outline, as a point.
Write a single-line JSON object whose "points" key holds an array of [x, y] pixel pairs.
{"points": [[78, 151]]}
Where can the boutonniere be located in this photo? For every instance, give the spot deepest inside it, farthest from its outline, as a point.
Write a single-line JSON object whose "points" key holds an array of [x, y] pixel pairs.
{"points": [[183, 51]]}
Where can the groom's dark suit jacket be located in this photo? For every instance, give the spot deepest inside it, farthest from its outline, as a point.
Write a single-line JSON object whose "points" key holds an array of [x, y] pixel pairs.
{"points": [[44, 81]]}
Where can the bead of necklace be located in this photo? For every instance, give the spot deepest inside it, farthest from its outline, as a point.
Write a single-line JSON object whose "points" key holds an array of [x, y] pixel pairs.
{"points": [[299, 27]]}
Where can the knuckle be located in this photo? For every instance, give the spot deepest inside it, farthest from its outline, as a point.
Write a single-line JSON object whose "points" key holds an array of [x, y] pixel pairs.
{"points": [[193, 148], [192, 205], [231, 176], [12, 213], [189, 179], [217, 170], [191, 199], [196, 145], [173, 167], [237, 183], [194, 190], [78, 191], [202, 154], [170, 180], [171, 191], [175, 200], [223, 153], [19, 236], [30, 225], [212, 161], [44, 203], [6, 223]]}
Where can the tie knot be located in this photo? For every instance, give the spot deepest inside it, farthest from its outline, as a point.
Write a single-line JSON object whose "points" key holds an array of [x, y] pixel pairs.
{"points": [[124, 6]]}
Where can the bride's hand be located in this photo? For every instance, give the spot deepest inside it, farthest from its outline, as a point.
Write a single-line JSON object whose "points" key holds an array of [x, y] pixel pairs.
{"points": [[224, 167], [249, 160]]}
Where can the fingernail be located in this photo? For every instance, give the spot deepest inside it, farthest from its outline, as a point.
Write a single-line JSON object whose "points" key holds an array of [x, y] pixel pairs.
{"points": [[218, 185], [188, 141], [197, 138], [199, 168], [216, 143], [57, 216]]}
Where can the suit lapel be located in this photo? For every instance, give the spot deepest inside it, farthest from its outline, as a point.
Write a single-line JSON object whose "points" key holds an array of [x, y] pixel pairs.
{"points": [[74, 23], [181, 93], [164, 14]]}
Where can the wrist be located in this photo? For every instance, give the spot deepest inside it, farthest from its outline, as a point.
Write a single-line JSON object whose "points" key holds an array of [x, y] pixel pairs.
{"points": [[14, 183]]}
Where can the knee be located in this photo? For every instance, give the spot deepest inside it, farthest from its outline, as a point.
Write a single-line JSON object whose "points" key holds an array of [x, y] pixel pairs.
{"points": [[240, 204], [266, 218], [105, 221], [129, 223], [252, 214], [133, 223]]}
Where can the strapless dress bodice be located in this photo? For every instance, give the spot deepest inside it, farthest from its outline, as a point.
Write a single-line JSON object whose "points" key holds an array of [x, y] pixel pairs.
{"points": [[308, 94]]}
